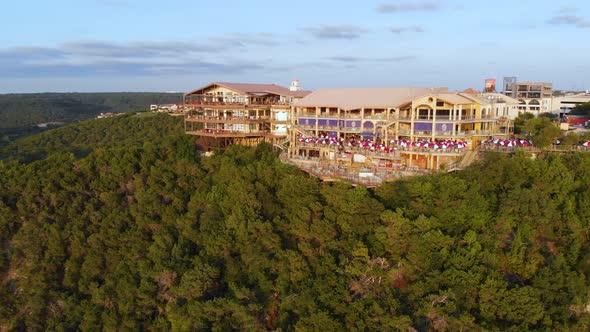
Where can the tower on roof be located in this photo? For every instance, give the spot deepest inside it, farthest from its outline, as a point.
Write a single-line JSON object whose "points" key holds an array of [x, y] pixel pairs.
{"points": [[490, 85], [294, 85]]}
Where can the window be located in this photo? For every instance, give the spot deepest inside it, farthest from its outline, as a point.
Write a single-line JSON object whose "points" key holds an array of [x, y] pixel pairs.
{"points": [[440, 103], [443, 114], [423, 114]]}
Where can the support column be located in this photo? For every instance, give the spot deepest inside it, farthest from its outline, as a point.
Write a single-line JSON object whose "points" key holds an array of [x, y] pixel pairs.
{"points": [[338, 131], [433, 133], [412, 110], [454, 118], [317, 112]]}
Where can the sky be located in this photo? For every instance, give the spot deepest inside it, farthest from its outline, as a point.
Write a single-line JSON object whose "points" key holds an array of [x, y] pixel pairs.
{"points": [[180, 45]]}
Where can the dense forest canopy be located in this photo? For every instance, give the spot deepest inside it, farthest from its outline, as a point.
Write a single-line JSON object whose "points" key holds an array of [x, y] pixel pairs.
{"points": [[20, 113], [118, 224]]}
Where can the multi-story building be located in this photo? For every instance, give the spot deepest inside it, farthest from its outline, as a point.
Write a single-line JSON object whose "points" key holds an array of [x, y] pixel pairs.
{"points": [[419, 127], [237, 113], [501, 107], [386, 116], [533, 97]]}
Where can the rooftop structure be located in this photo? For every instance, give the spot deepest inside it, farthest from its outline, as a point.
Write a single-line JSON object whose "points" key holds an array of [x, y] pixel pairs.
{"points": [[490, 85]]}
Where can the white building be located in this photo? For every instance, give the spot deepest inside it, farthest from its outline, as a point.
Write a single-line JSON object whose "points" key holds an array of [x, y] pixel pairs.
{"points": [[564, 104], [498, 105], [533, 97]]}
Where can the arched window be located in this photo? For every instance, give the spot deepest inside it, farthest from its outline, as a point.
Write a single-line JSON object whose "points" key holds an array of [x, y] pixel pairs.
{"points": [[423, 112]]}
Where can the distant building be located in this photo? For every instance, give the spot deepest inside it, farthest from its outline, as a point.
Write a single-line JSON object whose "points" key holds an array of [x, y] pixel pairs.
{"points": [[106, 115], [533, 97], [165, 108], [564, 104]]}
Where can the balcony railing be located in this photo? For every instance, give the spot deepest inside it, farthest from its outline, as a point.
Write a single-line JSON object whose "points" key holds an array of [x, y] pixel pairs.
{"points": [[342, 116], [327, 115], [377, 117], [304, 115], [382, 154], [227, 133], [221, 119], [470, 133], [306, 127], [438, 133], [447, 118], [351, 116], [216, 101], [219, 104]]}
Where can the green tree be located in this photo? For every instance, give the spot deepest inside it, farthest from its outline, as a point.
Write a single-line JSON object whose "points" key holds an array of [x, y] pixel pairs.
{"points": [[581, 109], [542, 130], [520, 121]]}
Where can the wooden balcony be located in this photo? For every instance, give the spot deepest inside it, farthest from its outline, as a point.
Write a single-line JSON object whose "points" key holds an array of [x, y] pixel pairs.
{"points": [[233, 119], [463, 119], [341, 116], [226, 133], [449, 134], [234, 105], [284, 122]]}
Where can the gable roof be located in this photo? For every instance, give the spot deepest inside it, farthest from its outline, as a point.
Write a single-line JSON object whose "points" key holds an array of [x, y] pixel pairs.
{"points": [[355, 98], [254, 88], [455, 98]]}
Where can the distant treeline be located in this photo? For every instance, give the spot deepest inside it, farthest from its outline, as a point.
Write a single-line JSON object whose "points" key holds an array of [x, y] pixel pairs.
{"points": [[19, 113]]}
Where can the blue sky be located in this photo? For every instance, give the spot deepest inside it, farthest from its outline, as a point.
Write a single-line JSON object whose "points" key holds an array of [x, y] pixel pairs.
{"points": [[178, 45]]}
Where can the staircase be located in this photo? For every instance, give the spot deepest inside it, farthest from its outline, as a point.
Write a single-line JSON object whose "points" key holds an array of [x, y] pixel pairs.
{"points": [[300, 131], [282, 144], [469, 157]]}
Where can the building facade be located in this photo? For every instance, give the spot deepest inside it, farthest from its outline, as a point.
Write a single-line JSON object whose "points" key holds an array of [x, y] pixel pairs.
{"points": [[236, 113], [394, 124], [426, 128], [564, 104], [533, 97]]}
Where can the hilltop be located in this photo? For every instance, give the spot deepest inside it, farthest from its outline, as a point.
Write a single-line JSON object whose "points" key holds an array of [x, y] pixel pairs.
{"points": [[118, 224]]}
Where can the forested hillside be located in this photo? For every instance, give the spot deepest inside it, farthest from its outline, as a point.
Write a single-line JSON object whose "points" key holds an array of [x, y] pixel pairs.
{"points": [[121, 131], [110, 225], [20, 113]]}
